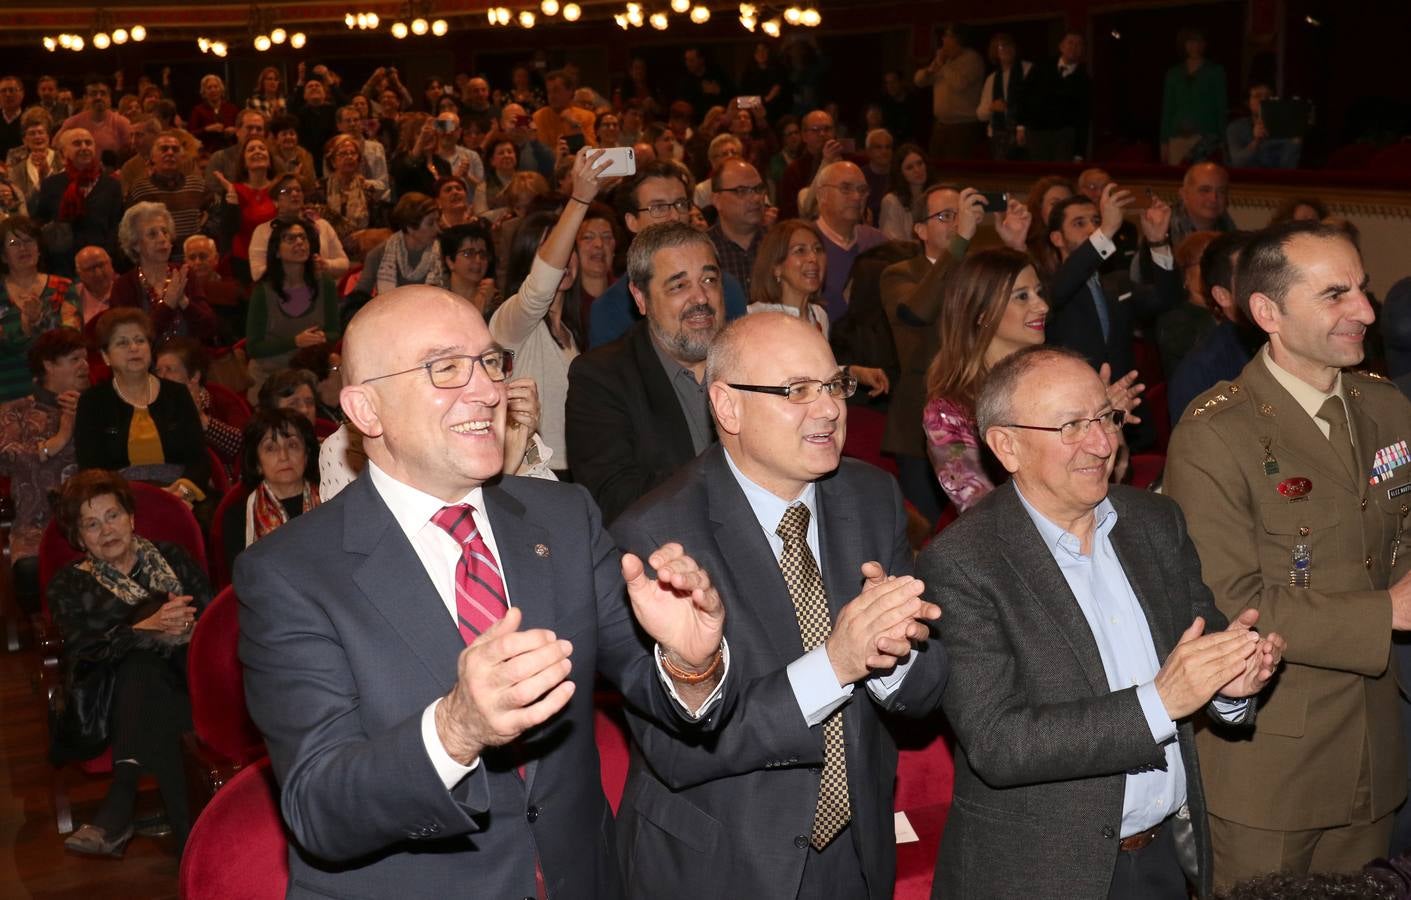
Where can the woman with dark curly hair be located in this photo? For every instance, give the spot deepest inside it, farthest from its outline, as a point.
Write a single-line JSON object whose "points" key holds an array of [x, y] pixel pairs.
{"points": [[279, 474]]}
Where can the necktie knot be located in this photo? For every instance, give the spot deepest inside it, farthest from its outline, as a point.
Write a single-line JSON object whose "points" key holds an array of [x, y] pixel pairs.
{"points": [[458, 521], [1332, 411], [793, 526]]}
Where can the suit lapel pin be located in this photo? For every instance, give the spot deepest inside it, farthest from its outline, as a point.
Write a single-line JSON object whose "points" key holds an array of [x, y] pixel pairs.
{"points": [[1354, 393], [1266, 409], [541, 550], [1271, 465]]}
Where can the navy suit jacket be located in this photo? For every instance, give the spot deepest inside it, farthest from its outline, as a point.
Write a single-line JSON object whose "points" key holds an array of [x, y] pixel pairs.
{"points": [[726, 815], [345, 641]]}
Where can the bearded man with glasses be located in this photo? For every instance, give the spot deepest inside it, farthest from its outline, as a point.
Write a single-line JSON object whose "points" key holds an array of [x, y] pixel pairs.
{"points": [[1082, 645]]}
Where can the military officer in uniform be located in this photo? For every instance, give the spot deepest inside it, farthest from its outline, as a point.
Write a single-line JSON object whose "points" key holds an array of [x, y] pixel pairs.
{"points": [[1295, 483]]}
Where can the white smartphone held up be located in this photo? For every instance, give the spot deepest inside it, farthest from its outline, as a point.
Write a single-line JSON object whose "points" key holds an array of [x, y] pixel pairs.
{"points": [[752, 101], [622, 161]]}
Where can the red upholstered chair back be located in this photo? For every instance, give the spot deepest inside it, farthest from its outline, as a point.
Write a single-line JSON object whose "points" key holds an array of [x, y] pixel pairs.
{"points": [[238, 849], [1155, 408], [160, 517], [220, 569], [235, 407], [220, 479], [217, 683], [866, 427]]}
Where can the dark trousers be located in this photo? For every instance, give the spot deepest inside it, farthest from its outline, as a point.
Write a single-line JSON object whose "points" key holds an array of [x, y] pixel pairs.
{"points": [[26, 576], [151, 710], [1052, 144], [958, 141], [918, 484], [835, 872], [1151, 873], [1401, 831]]}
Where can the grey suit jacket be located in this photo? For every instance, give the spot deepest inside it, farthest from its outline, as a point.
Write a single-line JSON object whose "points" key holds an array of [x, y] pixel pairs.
{"points": [[345, 641], [727, 816], [1043, 744]]}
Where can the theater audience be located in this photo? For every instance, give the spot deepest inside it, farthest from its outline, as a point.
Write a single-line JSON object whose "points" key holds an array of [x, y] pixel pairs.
{"points": [[351, 198], [998, 96], [909, 174], [158, 287], [415, 167], [31, 303], [110, 130], [1300, 209], [740, 196], [172, 183], [36, 448], [1249, 141], [1043, 197], [819, 148], [326, 365], [35, 159], [213, 119], [279, 472], [248, 123], [294, 389], [1183, 326], [287, 157], [597, 249], [504, 162], [247, 196], [1203, 202], [452, 196], [842, 192], [93, 292], [268, 96], [126, 611], [791, 263], [293, 305]]}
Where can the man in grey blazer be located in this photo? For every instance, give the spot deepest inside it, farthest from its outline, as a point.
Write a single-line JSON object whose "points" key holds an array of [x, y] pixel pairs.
{"points": [[739, 813], [1082, 642], [410, 764]]}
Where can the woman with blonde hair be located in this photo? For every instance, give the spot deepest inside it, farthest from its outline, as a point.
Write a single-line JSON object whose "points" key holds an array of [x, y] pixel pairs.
{"points": [[268, 96]]}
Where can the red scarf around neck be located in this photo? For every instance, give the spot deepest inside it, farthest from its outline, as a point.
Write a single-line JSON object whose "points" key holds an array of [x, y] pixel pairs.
{"points": [[74, 204]]}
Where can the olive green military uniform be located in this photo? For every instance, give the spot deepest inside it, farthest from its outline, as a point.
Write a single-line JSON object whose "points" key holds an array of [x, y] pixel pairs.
{"points": [[1281, 525]]}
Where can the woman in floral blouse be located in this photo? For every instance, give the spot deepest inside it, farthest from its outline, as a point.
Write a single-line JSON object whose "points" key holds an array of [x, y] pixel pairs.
{"points": [[31, 303], [993, 305]]}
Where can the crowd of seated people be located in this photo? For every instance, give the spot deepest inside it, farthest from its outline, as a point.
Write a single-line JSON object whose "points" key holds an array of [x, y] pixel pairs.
{"points": [[174, 293]]}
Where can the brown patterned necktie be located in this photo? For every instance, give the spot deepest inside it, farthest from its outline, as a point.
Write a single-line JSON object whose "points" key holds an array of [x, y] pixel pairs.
{"points": [[801, 574]]}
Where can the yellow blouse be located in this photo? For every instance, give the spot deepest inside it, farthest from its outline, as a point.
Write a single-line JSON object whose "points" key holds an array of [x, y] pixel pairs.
{"points": [[144, 445]]}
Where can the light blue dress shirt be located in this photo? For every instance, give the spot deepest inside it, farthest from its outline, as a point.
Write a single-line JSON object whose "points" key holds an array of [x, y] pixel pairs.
{"points": [[815, 685], [1124, 643]]}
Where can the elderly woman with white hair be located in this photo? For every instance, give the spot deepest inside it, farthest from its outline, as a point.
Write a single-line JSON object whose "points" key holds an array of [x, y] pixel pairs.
{"points": [[213, 119], [156, 285]]}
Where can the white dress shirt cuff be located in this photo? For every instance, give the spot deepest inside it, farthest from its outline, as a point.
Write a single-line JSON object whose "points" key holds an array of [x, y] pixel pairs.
{"points": [[815, 685], [1103, 244], [451, 772], [883, 686], [1230, 710], [714, 695], [1163, 257], [1162, 728]]}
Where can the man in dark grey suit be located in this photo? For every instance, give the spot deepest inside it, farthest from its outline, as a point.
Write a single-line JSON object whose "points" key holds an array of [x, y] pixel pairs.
{"points": [[411, 765], [1082, 641], [794, 800]]}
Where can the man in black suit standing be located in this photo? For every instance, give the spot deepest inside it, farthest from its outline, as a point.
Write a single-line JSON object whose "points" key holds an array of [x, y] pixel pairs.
{"points": [[1093, 313], [80, 206], [636, 408], [411, 764], [809, 552], [1055, 105], [1082, 642]]}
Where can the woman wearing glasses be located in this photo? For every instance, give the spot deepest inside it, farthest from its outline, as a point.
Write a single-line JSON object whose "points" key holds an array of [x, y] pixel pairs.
{"points": [[539, 322], [468, 253], [788, 277], [292, 305], [31, 303]]}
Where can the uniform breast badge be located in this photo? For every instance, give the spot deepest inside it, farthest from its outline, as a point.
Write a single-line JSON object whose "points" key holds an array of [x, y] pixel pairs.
{"points": [[1300, 566], [1271, 465], [1388, 460]]}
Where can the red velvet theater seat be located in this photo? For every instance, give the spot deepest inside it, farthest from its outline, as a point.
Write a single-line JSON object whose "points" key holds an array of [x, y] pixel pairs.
{"points": [[237, 849]]}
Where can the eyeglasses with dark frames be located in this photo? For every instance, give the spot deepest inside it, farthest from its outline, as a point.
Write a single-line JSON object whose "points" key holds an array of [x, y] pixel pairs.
{"points": [[1072, 432], [662, 210], [839, 387], [451, 372], [745, 191]]}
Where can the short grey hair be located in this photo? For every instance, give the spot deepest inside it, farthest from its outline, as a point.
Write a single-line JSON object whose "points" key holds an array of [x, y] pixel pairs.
{"points": [[994, 405], [723, 358], [130, 228], [648, 241]]}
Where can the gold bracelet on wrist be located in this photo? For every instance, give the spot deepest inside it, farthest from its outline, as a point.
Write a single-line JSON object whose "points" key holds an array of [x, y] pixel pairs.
{"points": [[687, 677]]}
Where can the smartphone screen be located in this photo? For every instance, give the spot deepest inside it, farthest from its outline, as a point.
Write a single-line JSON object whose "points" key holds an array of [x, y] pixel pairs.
{"points": [[574, 141]]}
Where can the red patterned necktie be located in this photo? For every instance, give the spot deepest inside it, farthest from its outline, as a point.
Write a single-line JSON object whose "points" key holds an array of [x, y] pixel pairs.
{"points": [[480, 588]]}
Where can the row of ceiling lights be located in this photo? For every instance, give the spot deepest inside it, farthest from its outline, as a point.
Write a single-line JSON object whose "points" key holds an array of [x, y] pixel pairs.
{"points": [[632, 16]]}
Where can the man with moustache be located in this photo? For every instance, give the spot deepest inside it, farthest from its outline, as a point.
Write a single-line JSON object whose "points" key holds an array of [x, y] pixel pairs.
{"points": [[636, 408], [1082, 646], [1294, 479], [411, 764]]}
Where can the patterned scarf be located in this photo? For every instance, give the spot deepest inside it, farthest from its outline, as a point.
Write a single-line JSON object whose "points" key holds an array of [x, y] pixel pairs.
{"points": [[74, 204], [349, 202], [265, 513], [127, 589], [395, 269]]}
